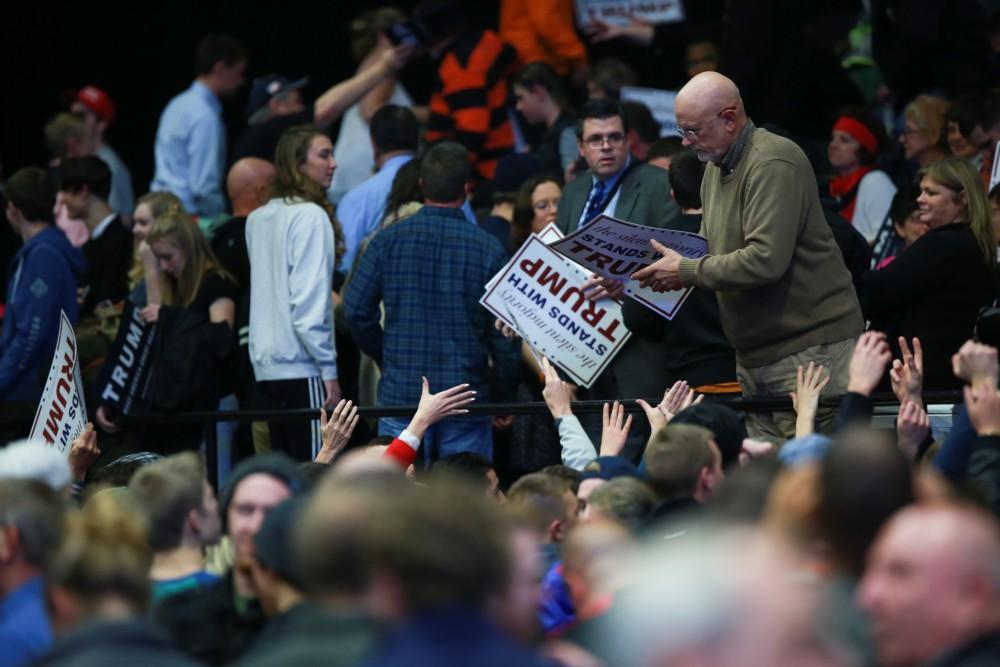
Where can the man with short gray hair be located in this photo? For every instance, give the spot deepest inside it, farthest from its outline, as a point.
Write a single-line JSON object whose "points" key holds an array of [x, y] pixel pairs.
{"points": [[429, 271]]}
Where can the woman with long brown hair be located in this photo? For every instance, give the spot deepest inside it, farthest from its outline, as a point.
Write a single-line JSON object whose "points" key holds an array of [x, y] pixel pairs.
{"points": [[292, 249]]}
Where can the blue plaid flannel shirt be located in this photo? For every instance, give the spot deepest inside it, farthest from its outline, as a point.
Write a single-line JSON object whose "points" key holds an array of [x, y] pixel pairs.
{"points": [[430, 270]]}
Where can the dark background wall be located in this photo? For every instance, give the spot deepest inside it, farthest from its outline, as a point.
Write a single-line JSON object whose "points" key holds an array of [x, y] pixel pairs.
{"points": [[142, 54]]}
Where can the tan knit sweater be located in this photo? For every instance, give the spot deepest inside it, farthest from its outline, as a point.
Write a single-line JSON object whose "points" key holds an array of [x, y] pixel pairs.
{"points": [[779, 275]]}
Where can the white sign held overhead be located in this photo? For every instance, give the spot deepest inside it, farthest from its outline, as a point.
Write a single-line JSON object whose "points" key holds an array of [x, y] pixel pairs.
{"points": [[620, 12]]}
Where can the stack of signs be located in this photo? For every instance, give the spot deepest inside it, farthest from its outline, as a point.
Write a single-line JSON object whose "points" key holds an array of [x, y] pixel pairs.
{"points": [[616, 249], [62, 414], [540, 295]]}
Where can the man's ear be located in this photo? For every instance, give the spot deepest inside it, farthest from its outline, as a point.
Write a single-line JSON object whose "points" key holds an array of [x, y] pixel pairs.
{"points": [[12, 212], [556, 531], [9, 540]]}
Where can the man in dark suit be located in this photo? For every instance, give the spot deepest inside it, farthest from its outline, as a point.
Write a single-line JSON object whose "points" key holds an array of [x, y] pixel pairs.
{"points": [[617, 184]]}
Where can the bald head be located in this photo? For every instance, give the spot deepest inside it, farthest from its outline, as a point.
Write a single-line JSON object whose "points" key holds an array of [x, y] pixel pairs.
{"points": [[359, 463], [710, 115], [247, 184], [709, 91], [932, 582]]}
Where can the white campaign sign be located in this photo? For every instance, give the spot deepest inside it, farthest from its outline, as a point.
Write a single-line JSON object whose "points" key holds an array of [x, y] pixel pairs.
{"points": [[620, 12], [62, 414], [540, 295], [616, 249], [659, 102]]}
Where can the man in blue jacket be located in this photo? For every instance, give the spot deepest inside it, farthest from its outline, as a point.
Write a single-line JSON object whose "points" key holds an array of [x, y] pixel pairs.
{"points": [[42, 282]]}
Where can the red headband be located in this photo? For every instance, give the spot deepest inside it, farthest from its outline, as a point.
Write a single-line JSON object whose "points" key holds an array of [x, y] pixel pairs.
{"points": [[858, 131]]}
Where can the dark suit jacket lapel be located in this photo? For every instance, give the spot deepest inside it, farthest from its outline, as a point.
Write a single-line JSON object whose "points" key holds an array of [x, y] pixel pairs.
{"points": [[628, 196], [575, 198]]}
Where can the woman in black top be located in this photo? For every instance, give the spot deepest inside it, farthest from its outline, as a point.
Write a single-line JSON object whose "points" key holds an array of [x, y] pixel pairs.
{"points": [[935, 289], [195, 350]]}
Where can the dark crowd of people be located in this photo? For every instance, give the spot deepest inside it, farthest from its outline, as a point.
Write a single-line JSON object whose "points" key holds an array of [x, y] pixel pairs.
{"points": [[332, 253]]}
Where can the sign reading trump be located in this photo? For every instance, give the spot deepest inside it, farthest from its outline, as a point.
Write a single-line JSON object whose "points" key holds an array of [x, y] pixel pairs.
{"points": [[61, 414], [540, 295], [616, 249]]}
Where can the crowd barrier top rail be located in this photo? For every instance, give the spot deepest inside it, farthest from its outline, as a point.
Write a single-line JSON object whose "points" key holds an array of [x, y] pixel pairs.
{"points": [[750, 404]]}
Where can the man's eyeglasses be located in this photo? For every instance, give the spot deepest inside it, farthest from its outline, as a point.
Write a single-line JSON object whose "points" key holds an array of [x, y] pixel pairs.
{"points": [[596, 141], [693, 132]]}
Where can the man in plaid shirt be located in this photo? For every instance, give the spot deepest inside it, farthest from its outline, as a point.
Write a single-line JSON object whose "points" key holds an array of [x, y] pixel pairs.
{"points": [[429, 270]]}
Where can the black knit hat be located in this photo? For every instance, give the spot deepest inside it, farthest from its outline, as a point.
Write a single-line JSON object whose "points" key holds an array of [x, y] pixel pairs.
{"points": [[725, 424], [277, 465], [273, 542]]}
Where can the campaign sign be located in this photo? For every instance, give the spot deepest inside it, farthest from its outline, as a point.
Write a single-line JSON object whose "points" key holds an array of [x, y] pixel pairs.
{"points": [[659, 102], [540, 295], [620, 12], [995, 174], [547, 235], [126, 374], [616, 249], [62, 414]]}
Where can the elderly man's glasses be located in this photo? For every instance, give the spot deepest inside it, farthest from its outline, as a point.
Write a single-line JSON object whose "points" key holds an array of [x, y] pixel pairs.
{"points": [[693, 132]]}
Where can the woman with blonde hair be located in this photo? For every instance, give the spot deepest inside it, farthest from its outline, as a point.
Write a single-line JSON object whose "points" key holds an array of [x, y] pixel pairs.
{"points": [[143, 277], [292, 249], [924, 136], [193, 351], [189, 274], [935, 289]]}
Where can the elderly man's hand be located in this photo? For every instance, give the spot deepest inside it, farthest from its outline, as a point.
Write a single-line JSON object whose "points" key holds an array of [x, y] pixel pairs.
{"points": [[663, 275]]}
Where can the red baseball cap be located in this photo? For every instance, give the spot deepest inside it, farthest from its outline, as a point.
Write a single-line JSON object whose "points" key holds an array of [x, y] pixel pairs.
{"points": [[97, 101]]}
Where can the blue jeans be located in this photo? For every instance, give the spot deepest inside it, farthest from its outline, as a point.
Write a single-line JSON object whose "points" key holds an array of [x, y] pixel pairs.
{"points": [[447, 437]]}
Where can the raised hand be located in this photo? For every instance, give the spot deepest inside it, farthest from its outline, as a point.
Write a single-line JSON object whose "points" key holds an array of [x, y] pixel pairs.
{"points": [[871, 356], [83, 452], [435, 407], [912, 428], [557, 393], [975, 363], [810, 382], [614, 431], [337, 430], [907, 376], [983, 403], [679, 397]]}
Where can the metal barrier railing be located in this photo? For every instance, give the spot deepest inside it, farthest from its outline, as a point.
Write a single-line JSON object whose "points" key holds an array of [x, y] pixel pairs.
{"points": [[750, 404]]}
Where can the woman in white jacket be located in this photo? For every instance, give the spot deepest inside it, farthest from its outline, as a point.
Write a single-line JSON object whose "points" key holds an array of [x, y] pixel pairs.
{"points": [[292, 247]]}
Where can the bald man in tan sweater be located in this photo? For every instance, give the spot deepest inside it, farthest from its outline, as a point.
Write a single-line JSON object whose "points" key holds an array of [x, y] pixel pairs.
{"points": [[785, 295]]}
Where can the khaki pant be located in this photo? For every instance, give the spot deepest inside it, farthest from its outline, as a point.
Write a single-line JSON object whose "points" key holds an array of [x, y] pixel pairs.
{"points": [[779, 379]]}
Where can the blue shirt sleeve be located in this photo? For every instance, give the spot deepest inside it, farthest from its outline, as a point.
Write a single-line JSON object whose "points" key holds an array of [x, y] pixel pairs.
{"points": [[206, 145]]}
